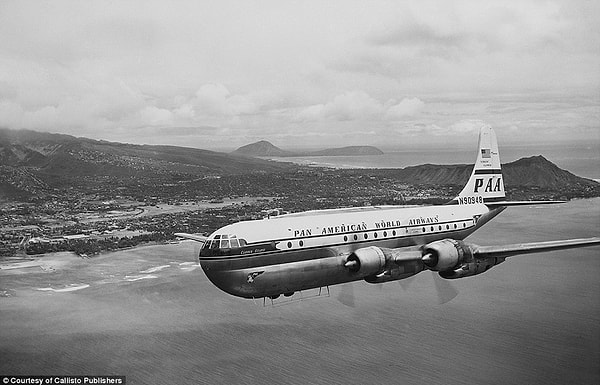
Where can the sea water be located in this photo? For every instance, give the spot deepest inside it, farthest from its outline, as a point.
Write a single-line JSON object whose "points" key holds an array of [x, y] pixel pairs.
{"points": [[533, 319], [582, 160]]}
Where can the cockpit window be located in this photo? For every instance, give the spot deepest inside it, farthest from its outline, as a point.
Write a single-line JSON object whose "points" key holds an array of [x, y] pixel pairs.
{"points": [[222, 241]]}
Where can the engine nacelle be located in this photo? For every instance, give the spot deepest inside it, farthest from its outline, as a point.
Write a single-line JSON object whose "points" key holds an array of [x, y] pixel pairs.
{"points": [[447, 254], [478, 266], [366, 261], [405, 270]]}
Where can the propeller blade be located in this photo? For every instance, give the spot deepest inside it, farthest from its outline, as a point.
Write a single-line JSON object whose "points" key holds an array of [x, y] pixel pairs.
{"points": [[445, 291], [197, 248], [406, 282], [346, 295]]}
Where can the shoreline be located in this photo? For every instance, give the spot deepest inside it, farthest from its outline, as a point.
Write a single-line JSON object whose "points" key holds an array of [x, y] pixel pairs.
{"points": [[29, 261]]}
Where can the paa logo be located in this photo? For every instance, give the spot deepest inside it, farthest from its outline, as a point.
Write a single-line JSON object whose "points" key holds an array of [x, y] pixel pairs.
{"points": [[490, 185]]}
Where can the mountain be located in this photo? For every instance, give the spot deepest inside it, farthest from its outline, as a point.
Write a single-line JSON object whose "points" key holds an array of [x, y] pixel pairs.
{"points": [[57, 154], [33, 164], [264, 148], [525, 172]]}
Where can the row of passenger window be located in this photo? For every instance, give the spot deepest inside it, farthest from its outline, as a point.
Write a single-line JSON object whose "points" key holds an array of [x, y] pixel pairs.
{"points": [[407, 230]]}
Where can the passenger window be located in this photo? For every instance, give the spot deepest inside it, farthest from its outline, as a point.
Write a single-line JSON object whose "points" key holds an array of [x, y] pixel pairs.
{"points": [[234, 243], [224, 244]]}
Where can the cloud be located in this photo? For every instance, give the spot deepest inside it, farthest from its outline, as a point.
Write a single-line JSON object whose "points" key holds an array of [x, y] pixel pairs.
{"points": [[215, 100], [354, 105], [466, 126], [89, 69], [407, 107], [468, 26], [152, 116], [359, 106]]}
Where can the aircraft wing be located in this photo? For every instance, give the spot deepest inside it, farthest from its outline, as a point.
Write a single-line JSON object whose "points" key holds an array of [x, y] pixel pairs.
{"points": [[521, 203], [193, 237], [533, 247]]}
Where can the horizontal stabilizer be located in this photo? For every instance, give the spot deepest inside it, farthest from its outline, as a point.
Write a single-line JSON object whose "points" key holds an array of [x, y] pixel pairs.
{"points": [[193, 237], [521, 203], [533, 247]]}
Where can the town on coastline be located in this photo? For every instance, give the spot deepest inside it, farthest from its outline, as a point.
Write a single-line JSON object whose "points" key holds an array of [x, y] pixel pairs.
{"points": [[119, 214]]}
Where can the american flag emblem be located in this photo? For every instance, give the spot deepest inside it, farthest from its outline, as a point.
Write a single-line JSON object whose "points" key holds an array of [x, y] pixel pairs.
{"points": [[486, 153]]}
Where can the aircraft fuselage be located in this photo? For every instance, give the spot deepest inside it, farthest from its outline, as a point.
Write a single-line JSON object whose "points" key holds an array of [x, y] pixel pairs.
{"points": [[309, 250]]}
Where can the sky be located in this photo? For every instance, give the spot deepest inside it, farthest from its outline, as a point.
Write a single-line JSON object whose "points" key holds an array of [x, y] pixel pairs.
{"points": [[221, 74]]}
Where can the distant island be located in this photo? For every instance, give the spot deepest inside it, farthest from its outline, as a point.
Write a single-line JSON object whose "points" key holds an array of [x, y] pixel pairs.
{"points": [[264, 148]]}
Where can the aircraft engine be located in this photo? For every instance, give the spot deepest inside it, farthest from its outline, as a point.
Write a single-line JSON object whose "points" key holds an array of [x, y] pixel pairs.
{"points": [[366, 261], [478, 266], [447, 254]]}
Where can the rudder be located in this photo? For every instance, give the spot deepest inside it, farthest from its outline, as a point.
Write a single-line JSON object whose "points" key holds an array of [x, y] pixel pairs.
{"points": [[486, 183]]}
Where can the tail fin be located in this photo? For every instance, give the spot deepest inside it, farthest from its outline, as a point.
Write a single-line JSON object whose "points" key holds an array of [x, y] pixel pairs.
{"points": [[485, 184]]}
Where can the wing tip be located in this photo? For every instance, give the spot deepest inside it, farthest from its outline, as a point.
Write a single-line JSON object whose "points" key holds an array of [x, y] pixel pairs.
{"points": [[193, 237]]}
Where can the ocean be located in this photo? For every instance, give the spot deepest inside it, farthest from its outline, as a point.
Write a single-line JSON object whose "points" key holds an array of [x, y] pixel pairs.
{"points": [[150, 314], [581, 160]]}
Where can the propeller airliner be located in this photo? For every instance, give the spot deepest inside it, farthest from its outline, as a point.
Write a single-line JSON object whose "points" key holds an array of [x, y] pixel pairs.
{"points": [[294, 252]]}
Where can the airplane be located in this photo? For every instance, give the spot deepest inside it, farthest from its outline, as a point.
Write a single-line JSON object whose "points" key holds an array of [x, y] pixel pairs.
{"points": [[316, 249]]}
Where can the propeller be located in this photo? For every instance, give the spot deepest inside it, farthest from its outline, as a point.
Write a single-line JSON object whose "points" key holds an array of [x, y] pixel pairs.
{"points": [[406, 282], [444, 290], [346, 295], [197, 248]]}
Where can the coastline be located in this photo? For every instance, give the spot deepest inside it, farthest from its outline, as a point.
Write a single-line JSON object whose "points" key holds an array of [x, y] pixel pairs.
{"points": [[581, 160]]}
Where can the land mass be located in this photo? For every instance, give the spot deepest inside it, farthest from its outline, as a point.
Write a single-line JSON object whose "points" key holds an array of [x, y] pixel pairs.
{"points": [[88, 196], [264, 148]]}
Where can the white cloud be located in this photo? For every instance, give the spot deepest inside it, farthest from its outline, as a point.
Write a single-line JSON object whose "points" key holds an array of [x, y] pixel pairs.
{"points": [[407, 107], [466, 126], [152, 116], [358, 105], [278, 68], [215, 100]]}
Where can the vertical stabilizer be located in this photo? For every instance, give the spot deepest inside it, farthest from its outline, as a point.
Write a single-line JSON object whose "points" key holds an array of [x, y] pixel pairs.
{"points": [[485, 184]]}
